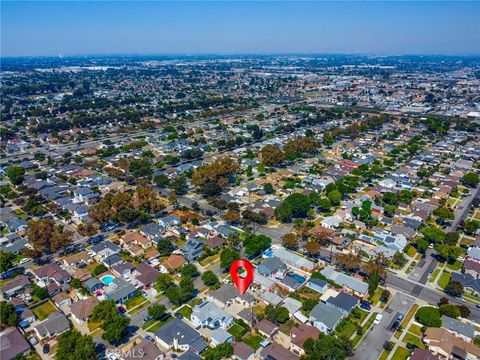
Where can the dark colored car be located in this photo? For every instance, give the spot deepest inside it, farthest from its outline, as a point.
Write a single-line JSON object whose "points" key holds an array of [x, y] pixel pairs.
{"points": [[178, 315], [165, 317], [46, 348], [122, 310], [95, 239], [411, 346], [395, 325]]}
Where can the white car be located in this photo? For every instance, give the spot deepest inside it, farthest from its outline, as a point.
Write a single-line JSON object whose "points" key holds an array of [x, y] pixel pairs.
{"points": [[24, 260], [378, 318]]}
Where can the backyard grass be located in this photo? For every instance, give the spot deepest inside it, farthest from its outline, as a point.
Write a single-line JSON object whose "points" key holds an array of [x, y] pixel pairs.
{"points": [[237, 331], [210, 260], [457, 265], [412, 339], [409, 316], [401, 354], [434, 275], [186, 311], [253, 341], [444, 279], [309, 293], [42, 311], [415, 329], [286, 327], [134, 301]]}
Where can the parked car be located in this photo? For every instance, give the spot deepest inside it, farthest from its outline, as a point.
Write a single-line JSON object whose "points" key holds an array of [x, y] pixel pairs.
{"points": [[411, 346], [122, 310], [378, 318], [400, 317], [395, 325], [46, 348], [178, 315], [95, 239], [365, 307], [149, 338], [147, 319], [24, 260]]}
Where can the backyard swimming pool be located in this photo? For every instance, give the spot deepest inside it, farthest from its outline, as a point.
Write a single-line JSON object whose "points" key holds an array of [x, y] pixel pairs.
{"points": [[298, 278], [107, 279]]}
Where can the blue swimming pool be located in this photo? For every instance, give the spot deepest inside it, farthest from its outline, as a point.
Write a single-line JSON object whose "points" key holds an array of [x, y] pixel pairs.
{"points": [[298, 278], [107, 279]]}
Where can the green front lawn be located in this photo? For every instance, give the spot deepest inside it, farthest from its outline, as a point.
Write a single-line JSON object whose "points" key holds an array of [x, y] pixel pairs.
{"points": [[409, 316], [253, 341], [415, 329], [134, 301], [434, 275], [186, 311], [444, 279], [457, 265], [345, 329], [401, 354], [412, 339], [160, 324], [42, 311]]}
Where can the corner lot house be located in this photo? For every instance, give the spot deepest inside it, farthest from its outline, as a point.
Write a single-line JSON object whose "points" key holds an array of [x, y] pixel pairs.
{"points": [[177, 335], [208, 314]]}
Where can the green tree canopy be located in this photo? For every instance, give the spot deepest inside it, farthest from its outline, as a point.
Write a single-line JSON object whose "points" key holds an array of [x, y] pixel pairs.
{"points": [[429, 316], [72, 345]]}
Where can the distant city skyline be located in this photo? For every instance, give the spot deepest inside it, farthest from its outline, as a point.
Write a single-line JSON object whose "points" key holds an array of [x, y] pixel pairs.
{"points": [[380, 28]]}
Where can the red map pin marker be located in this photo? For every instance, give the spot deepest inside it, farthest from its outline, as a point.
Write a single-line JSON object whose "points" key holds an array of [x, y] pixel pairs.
{"points": [[242, 283]]}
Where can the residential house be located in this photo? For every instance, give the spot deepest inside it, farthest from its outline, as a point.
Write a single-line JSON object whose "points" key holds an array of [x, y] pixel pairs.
{"points": [[12, 344], [343, 302], [173, 263], [16, 286], [325, 318], [104, 250], [228, 294], [147, 275], [445, 344], [242, 351], [152, 231], [208, 314], [82, 309], [266, 328], [293, 260], [271, 267], [144, 349], [220, 336], [119, 291], [299, 334], [54, 325], [62, 300], [192, 249], [349, 283], [51, 272], [177, 335], [277, 352], [458, 328], [319, 285]]}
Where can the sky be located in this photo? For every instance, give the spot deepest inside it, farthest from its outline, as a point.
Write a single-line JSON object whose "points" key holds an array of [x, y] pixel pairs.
{"points": [[123, 27]]}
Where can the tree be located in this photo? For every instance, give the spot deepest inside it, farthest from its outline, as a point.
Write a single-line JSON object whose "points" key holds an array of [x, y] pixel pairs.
{"points": [[272, 155], [76, 283], [290, 240], [268, 188], [39, 292], [454, 288], [45, 237], [8, 316], [428, 316], [284, 212], [164, 281], [222, 351], [6, 261], [187, 288], [276, 314], [115, 328], [373, 282], [209, 278], [324, 204], [99, 269], [464, 311], [87, 229], [470, 179], [449, 310], [161, 180], [220, 172], [156, 311], [389, 210], [451, 238], [297, 204], [104, 311], [72, 345], [326, 347], [189, 270], [364, 213], [422, 245], [165, 247], [227, 257], [140, 167], [174, 294], [312, 248], [444, 213], [255, 244], [335, 197], [231, 216], [179, 185], [15, 174], [349, 262], [433, 234]]}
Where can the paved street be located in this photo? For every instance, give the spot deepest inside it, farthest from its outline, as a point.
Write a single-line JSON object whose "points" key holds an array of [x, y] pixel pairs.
{"points": [[423, 268], [372, 344], [429, 295], [462, 211]]}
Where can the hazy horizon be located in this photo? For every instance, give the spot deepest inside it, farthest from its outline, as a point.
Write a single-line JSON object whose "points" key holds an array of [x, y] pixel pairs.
{"points": [[239, 28]]}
